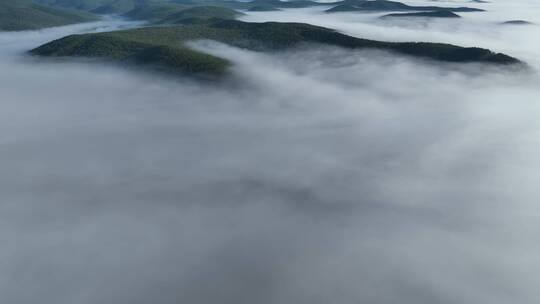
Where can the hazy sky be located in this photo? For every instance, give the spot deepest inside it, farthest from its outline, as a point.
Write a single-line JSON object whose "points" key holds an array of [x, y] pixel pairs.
{"points": [[312, 176]]}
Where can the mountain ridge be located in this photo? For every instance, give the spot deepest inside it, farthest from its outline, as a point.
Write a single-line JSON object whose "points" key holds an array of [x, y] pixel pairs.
{"points": [[170, 50]]}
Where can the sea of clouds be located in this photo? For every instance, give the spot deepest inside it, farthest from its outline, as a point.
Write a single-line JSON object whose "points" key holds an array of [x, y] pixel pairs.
{"points": [[317, 175]]}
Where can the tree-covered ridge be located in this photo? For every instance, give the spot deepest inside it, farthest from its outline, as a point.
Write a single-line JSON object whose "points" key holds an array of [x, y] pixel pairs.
{"points": [[434, 14], [164, 46], [132, 7], [97, 6], [17, 15], [36, 14], [200, 13], [165, 13], [386, 6], [155, 12]]}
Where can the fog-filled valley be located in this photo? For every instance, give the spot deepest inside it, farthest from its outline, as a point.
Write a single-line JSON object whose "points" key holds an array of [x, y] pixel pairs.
{"points": [[316, 174]]}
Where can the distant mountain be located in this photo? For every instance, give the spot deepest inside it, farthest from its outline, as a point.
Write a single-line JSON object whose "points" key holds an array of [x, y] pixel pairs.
{"points": [[263, 8], [155, 11], [271, 5], [387, 6], [163, 47], [200, 13], [174, 13], [435, 14], [116, 7], [516, 22], [100, 6], [126, 6], [17, 15], [86, 5]]}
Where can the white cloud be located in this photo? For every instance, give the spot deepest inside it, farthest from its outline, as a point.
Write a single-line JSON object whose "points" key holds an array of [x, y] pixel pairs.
{"points": [[312, 176]]}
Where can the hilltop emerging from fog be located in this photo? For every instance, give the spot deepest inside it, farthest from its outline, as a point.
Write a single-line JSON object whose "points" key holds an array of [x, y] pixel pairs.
{"points": [[164, 46], [173, 23]]}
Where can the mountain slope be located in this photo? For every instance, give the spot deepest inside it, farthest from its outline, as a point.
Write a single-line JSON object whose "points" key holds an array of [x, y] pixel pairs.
{"points": [[434, 14], [200, 13], [100, 6], [165, 46], [17, 15], [155, 11]]}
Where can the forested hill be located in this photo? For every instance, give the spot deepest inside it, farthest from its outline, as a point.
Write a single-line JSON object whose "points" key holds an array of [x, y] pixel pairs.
{"points": [[17, 15], [164, 46]]}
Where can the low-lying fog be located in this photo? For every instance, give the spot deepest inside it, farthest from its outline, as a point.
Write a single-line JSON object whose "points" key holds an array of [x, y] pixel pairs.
{"points": [[314, 176]]}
